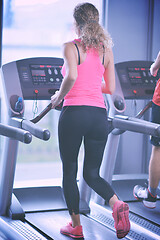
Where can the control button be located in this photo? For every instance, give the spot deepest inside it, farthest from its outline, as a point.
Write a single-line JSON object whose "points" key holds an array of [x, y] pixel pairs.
{"points": [[49, 71], [36, 91], [55, 71], [144, 74], [135, 92], [146, 81], [51, 80]]}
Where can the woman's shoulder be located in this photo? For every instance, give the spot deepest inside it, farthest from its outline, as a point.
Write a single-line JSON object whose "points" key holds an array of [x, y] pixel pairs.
{"points": [[67, 46], [76, 40], [69, 50], [108, 52], [73, 41]]}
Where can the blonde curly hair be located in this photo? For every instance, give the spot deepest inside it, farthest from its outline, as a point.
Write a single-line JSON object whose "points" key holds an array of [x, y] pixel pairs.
{"points": [[92, 33]]}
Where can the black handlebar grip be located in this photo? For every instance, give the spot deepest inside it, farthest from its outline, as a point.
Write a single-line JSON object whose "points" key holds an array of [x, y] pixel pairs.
{"points": [[27, 138], [46, 135]]}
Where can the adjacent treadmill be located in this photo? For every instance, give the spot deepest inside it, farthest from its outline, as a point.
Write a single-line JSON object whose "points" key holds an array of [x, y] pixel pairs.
{"points": [[135, 82], [39, 212]]}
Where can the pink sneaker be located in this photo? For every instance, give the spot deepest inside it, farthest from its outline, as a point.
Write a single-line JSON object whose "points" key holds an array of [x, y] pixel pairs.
{"points": [[121, 218], [74, 232]]}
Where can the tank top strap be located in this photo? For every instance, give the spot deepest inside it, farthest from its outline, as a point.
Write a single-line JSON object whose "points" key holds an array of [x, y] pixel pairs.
{"points": [[77, 51], [103, 55]]}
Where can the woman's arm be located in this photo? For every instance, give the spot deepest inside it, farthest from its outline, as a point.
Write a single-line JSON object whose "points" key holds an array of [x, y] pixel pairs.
{"points": [[155, 66], [108, 86], [70, 62]]}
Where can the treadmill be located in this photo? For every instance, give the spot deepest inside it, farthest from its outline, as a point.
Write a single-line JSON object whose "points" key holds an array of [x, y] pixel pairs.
{"points": [[135, 82], [39, 212]]}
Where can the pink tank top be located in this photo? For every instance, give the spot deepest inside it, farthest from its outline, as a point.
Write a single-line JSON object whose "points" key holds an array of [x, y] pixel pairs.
{"points": [[87, 87], [156, 95]]}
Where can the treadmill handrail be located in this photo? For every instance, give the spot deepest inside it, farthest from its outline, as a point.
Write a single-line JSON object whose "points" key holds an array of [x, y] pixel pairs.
{"points": [[42, 114], [15, 133], [142, 112], [45, 111], [138, 116], [35, 130], [132, 124]]}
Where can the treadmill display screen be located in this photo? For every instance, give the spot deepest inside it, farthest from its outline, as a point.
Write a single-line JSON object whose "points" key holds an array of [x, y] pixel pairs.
{"points": [[38, 72], [45, 74]]}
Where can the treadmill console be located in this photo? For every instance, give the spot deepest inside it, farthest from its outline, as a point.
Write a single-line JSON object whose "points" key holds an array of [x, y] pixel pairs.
{"points": [[39, 77], [136, 80]]}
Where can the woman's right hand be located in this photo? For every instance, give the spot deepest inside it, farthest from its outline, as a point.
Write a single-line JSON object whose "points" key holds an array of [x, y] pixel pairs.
{"points": [[55, 99]]}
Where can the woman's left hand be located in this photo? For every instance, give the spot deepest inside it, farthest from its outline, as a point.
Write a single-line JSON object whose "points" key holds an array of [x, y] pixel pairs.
{"points": [[55, 99], [153, 70]]}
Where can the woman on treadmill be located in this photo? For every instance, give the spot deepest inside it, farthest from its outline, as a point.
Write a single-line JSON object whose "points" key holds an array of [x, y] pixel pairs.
{"points": [[87, 60]]}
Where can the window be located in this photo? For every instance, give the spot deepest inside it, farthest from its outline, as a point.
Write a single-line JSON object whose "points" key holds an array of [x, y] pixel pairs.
{"points": [[37, 29]]}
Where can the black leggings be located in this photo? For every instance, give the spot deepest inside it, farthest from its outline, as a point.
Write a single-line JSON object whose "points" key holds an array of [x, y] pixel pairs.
{"points": [[89, 124]]}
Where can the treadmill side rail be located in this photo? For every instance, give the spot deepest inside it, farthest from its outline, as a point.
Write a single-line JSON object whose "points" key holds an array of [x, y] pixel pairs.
{"points": [[17, 230]]}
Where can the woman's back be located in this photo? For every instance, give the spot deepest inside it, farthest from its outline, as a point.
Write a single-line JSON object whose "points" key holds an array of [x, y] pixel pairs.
{"points": [[87, 87]]}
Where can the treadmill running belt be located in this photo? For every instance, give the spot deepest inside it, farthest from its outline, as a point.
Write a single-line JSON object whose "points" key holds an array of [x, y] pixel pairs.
{"points": [[152, 215], [51, 222]]}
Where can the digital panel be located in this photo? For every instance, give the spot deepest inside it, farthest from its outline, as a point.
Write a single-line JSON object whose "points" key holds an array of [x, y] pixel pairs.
{"points": [[136, 80], [141, 76], [45, 74], [40, 77]]}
